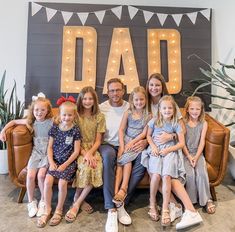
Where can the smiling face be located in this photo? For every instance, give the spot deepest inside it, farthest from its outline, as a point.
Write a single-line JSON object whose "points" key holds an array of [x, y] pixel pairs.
{"points": [[194, 109], [88, 101], [67, 115], [40, 111], [115, 93], [166, 110], [139, 101], [155, 87]]}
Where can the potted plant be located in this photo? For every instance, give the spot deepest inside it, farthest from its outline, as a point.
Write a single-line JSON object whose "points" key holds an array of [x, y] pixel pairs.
{"points": [[219, 77], [10, 108]]}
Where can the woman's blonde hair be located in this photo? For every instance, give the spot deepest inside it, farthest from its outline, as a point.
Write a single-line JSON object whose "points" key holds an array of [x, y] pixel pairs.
{"points": [[30, 116], [67, 104], [160, 78], [201, 117], [95, 107], [138, 89], [159, 122]]}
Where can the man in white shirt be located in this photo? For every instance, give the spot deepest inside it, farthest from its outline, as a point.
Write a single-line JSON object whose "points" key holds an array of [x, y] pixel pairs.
{"points": [[113, 109]]}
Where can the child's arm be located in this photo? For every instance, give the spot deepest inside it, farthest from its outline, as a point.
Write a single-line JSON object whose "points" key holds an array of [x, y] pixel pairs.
{"points": [[201, 144], [176, 147], [188, 155], [52, 164], [10, 124], [121, 133], [73, 156], [150, 141]]}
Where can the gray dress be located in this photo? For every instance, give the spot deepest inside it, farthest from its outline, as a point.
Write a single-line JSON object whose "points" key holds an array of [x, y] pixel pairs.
{"points": [[197, 181], [38, 158], [170, 164], [133, 129]]}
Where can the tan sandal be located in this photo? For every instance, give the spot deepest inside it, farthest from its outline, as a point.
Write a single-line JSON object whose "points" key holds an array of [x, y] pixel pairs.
{"points": [[153, 213], [119, 197], [166, 219], [71, 215], [56, 219], [42, 221], [210, 207]]}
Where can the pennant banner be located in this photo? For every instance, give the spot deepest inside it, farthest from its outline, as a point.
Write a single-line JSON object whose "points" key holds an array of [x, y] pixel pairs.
{"points": [[118, 12]]}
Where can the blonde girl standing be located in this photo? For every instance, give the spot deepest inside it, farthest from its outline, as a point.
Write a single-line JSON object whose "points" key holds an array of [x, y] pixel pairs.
{"points": [[197, 181], [63, 149], [132, 129], [162, 160], [38, 121], [89, 172]]}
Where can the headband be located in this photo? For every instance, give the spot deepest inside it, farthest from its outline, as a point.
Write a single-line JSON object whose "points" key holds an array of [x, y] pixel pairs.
{"points": [[42, 95], [64, 99]]}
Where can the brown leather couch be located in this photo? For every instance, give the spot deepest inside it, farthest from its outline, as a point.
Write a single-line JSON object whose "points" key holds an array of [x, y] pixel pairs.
{"points": [[19, 144]]}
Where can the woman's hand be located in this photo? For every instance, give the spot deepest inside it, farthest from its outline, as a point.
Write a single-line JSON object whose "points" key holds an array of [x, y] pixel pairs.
{"points": [[90, 159], [163, 138], [140, 145]]}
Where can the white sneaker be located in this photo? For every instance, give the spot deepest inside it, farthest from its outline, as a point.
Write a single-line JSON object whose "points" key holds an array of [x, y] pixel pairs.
{"points": [[112, 222], [32, 208], [175, 212], [123, 216], [189, 218], [41, 208]]}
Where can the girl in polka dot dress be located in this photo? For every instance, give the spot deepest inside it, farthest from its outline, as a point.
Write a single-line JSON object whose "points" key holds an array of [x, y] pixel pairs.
{"points": [[63, 150]]}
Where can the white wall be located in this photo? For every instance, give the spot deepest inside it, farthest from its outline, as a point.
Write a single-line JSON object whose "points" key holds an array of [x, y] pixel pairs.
{"points": [[14, 19]]}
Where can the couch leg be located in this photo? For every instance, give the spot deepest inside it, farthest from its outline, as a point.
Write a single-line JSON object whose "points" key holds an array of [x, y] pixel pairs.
{"points": [[213, 194], [21, 195]]}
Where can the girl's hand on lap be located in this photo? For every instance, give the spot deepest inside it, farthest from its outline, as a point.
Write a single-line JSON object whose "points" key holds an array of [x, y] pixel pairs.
{"points": [[155, 151], [90, 159], [62, 167], [191, 160], [52, 167], [164, 151]]}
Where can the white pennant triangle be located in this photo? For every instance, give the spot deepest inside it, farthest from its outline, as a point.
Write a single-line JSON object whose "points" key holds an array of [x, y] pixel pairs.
{"points": [[35, 8], [132, 11], [117, 11], [206, 13], [177, 18], [83, 17], [192, 16], [66, 16], [50, 13], [147, 15], [100, 15], [162, 18]]}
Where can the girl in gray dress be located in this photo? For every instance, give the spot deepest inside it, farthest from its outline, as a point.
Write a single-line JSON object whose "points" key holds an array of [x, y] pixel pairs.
{"points": [[197, 181], [132, 129], [38, 121], [162, 160]]}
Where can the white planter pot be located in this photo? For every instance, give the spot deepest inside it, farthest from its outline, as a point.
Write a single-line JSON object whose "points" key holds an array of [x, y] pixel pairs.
{"points": [[3, 162], [231, 163]]}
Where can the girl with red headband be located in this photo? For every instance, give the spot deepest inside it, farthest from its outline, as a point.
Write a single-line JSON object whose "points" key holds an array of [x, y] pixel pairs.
{"points": [[63, 150]]}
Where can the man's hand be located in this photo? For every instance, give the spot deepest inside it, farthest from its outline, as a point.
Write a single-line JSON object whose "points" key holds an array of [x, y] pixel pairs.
{"points": [[140, 145], [163, 138]]}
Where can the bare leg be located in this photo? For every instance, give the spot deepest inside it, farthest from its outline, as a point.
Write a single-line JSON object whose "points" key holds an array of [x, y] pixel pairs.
{"points": [[41, 179], [84, 206], [180, 192], [48, 192], [126, 175], [62, 185], [118, 178], [166, 190], [30, 183]]}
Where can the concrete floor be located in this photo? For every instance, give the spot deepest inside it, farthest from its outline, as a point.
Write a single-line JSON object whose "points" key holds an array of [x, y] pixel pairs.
{"points": [[13, 216]]}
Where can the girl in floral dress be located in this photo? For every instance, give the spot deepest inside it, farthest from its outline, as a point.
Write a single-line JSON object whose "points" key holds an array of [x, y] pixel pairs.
{"points": [[89, 173]]}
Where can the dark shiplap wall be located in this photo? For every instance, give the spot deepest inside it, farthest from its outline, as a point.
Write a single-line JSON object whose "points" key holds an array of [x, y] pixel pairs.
{"points": [[44, 48]]}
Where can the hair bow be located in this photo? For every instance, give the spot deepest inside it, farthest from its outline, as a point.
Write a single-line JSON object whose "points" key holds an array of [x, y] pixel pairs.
{"points": [[42, 95], [63, 99]]}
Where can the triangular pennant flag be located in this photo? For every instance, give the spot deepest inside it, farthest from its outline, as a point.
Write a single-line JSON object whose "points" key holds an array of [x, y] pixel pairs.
{"points": [[117, 11], [147, 15], [162, 18], [192, 16], [66, 16], [132, 11], [100, 15], [177, 18], [206, 13], [83, 17], [35, 8], [50, 13]]}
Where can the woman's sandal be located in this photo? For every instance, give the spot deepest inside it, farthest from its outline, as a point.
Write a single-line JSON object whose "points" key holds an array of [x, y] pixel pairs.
{"points": [[42, 221], [71, 215], [87, 207], [166, 219], [56, 218], [153, 213], [210, 207], [120, 196]]}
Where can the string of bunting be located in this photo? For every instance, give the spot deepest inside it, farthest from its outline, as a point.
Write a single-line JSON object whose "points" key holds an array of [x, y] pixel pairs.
{"points": [[50, 13]]}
